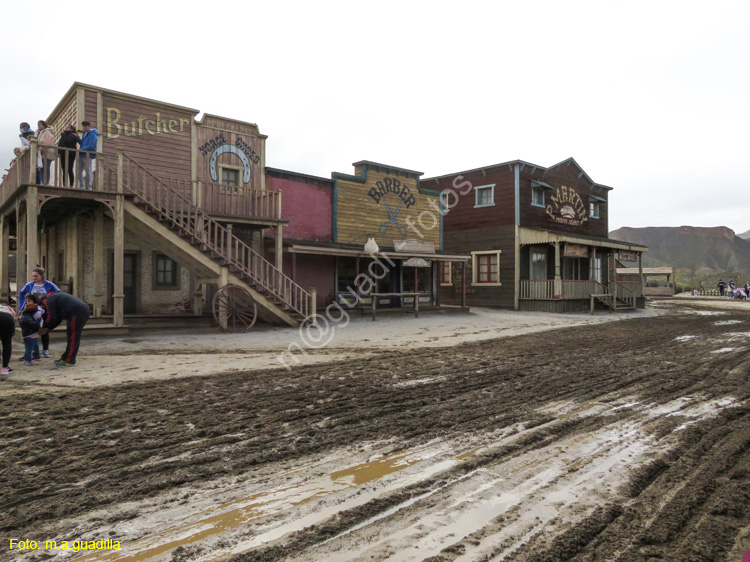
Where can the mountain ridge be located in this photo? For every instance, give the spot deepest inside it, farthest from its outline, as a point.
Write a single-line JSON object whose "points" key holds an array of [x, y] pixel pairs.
{"points": [[698, 254]]}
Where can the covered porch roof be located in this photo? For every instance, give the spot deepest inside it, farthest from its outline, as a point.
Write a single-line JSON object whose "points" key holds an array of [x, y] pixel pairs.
{"points": [[357, 251], [532, 236]]}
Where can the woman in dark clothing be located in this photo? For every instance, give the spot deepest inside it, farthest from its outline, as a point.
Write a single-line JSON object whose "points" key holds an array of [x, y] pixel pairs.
{"points": [[68, 139], [7, 329]]}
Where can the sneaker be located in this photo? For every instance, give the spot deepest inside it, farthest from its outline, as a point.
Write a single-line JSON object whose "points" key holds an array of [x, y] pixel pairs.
{"points": [[46, 354], [30, 363], [35, 358], [61, 363], [6, 371]]}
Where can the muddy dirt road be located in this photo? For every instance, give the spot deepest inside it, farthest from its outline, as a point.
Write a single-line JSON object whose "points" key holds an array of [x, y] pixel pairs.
{"points": [[622, 441]]}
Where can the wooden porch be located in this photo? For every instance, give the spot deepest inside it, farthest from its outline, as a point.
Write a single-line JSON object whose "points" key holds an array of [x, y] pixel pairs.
{"points": [[615, 295]]}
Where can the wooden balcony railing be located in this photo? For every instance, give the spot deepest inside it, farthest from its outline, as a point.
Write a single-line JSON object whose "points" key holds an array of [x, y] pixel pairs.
{"points": [[231, 201], [213, 199], [542, 289]]}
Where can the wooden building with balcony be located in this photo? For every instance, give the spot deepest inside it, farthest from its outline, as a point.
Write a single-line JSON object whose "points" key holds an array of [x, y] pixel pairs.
{"points": [[178, 205], [538, 239]]}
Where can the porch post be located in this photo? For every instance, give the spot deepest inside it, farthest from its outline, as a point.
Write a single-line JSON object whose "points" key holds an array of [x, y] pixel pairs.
{"points": [[640, 270], [32, 242], [229, 242], [558, 277], [21, 246], [100, 276], [4, 256], [592, 257], [119, 262], [463, 284], [280, 247], [294, 266], [223, 280], [32, 160], [356, 276], [437, 277]]}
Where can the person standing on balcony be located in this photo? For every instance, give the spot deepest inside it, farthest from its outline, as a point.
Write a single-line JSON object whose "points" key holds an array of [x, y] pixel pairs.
{"points": [[68, 140], [26, 132], [59, 307], [89, 140], [40, 287], [46, 155]]}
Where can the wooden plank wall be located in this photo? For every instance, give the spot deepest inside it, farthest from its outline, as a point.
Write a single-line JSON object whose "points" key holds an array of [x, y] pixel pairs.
{"points": [[468, 228], [67, 114], [360, 215], [498, 237], [214, 132], [156, 135], [563, 175]]}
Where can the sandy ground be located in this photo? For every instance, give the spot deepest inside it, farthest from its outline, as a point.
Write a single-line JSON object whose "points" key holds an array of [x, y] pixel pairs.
{"points": [[140, 356], [484, 437]]}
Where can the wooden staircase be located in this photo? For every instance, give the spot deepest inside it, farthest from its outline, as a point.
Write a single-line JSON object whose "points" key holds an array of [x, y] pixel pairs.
{"points": [[183, 231], [616, 297]]}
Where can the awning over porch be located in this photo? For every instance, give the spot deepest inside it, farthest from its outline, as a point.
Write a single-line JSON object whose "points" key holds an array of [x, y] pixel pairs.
{"points": [[531, 236], [360, 253]]}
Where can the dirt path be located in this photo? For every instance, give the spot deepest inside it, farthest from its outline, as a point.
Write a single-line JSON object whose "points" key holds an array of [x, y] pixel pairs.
{"points": [[623, 441]]}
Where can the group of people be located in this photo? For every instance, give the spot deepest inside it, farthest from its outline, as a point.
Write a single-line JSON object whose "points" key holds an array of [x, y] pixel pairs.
{"points": [[67, 146], [41, 308], [732, 290]]}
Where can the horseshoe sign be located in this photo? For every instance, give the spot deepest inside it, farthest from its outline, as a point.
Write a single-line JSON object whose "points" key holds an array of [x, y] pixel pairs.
{"points": [[234, 150]]}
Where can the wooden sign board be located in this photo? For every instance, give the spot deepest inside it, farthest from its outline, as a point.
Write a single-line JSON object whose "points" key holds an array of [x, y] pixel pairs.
{"points": [[417, 262], [415, 246], [575, 250], [626, 255]]}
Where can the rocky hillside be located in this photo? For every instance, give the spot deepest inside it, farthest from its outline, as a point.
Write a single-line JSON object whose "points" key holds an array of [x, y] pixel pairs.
{"points": [[745, 235], [700, 254]]}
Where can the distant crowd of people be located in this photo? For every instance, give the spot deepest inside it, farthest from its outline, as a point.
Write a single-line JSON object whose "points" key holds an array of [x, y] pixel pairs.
{"points": [[733, 291], [69, 146], [41, 308]]}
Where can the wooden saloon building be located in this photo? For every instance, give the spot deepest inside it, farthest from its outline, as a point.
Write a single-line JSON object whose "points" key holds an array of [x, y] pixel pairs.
{"points": [[182, 207], [538, 240]]}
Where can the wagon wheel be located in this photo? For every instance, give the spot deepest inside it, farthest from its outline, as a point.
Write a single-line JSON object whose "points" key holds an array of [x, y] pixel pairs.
{"points": [[234, 309]]}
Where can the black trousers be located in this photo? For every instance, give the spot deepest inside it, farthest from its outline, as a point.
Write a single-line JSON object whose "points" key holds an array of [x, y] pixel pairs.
{"points": [[76, 322], [7, 329], [67, 161]]}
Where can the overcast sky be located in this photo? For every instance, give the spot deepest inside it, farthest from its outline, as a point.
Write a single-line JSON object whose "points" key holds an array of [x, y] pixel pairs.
{"points": [[651, 98]]}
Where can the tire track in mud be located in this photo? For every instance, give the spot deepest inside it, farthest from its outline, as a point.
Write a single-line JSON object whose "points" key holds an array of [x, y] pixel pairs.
{"points": [[65, 453]]}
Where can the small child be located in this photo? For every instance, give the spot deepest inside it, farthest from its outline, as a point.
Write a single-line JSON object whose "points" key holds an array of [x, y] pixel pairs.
{"points": [[30, 321]]}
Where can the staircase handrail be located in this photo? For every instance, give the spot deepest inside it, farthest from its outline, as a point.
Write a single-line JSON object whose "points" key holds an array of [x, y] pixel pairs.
{"points": [[605, 295], [183, 214], [628, 294]]}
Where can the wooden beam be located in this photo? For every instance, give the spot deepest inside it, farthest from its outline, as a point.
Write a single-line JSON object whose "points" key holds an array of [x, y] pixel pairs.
{"points": [[20, 248], [100, 276], [32, 241], [280, 248], [119, 262], [4, 255]]}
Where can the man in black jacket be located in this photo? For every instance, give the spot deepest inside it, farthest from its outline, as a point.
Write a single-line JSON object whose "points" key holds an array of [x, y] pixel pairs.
{"points": [[59, 307]]}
